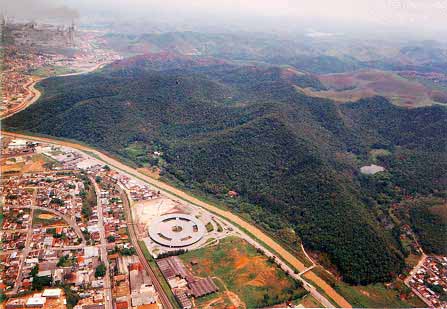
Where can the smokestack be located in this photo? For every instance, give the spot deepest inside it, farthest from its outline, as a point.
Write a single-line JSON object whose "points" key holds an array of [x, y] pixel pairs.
{"points": [[4, 19], [71, 33], [38, 10]]}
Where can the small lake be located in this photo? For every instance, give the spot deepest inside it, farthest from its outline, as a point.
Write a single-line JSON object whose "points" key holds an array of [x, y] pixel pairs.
{"points": [[371, 169]]}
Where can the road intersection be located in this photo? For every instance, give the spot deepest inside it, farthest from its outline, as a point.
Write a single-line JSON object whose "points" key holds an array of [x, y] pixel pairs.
{"points": [[282, 255]]}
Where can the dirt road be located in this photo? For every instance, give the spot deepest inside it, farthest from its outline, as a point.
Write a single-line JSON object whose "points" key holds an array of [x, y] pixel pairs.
{"points": [[282, 253]]}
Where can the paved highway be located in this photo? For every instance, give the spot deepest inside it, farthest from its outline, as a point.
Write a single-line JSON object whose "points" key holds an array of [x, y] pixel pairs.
{"points": [[103, 247], [32, 97], [34, 94], [70, 221], [134, 239], [412, 272], [26, 249], [175, 193]]}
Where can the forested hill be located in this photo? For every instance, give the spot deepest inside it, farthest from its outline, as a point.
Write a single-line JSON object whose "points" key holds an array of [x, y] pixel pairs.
{"points": [[293, 159]]}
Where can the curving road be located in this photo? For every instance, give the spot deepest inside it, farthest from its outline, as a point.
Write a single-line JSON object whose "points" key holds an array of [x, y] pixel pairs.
{"points": [[35, 94], [175, 193], [69, 220], [25, 252], [32, 97]]}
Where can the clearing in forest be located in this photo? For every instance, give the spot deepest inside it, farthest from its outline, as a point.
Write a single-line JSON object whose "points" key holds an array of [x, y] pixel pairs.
{"points": [[244, 271]]}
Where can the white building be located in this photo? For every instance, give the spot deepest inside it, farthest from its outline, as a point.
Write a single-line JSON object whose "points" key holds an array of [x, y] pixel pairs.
{"points": [[90, 252], [52, 293], [36, 301], [17, 144]]}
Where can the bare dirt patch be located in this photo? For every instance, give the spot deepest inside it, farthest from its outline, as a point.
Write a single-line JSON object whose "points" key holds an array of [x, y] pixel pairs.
{"points": [[243, 260], [260, 280], [235, 299], [33, 167], [29, 164], [151, 172], [283, 253], [243, 271], [350, 87], [12, 168], [45, 216], [440, 210], [365, 293]]}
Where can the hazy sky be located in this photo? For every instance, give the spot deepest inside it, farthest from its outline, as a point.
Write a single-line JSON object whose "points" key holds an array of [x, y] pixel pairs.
{"points": [[412, 14]]}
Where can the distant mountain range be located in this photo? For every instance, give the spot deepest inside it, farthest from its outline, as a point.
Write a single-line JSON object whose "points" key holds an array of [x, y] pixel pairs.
{"points": [[319, 55], [293, 160]]}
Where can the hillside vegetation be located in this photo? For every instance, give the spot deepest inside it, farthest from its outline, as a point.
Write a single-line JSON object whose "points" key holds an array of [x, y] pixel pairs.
{"points": [[336, 54], [292, 159]]}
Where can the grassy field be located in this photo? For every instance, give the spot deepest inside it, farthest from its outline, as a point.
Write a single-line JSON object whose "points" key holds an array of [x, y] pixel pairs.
{"points": [[219, 227], [440, 210], [209, 227], [137, 152], [46, 219], [38, 163], [34, 164], [412, 259], [221, 299], [52, 71], [150, 171], [245, 272], [223, 204], [377, 296], [309, 301], [374, 154], [373, 295]]}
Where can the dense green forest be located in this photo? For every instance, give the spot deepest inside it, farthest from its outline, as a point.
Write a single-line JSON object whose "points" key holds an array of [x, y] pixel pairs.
{"points": [[294, 160], [431, 229]]}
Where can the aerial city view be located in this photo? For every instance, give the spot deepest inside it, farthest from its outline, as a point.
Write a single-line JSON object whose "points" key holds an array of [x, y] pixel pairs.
{"points": [[223, 154]]}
